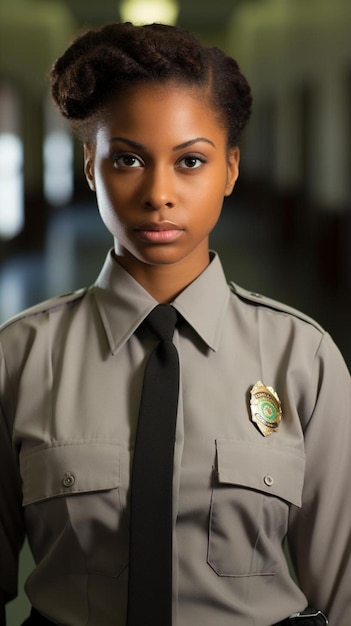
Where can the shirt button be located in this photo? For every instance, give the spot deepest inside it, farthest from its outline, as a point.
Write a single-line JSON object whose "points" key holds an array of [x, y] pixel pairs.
{"points": [[268, 480], [68, 480]]}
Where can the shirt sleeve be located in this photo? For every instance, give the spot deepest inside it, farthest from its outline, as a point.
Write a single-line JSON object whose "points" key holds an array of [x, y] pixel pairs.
{"points": [[11, 516], [320, 532]]}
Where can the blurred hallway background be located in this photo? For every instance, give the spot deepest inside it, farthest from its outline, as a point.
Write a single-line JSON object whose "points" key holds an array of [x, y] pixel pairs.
{"points": [[286, 230]]}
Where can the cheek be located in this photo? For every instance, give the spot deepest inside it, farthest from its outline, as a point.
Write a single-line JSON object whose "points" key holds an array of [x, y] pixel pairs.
{"points": [[212, 193], [108, 195], [106, 202], [103, 184]]}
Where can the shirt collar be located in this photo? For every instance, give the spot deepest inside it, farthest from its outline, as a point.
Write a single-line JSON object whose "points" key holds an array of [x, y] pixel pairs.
{"points": [[123, 303]]}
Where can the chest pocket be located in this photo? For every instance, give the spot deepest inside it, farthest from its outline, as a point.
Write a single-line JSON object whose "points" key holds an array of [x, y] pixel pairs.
{"points": [[74, 513], [254, 487], [64, 468]]}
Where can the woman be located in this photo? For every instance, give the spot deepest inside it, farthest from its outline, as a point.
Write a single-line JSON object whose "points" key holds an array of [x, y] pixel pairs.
{"points": [[261, 446]]}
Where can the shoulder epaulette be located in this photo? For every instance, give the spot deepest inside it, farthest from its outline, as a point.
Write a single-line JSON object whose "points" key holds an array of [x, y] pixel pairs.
{"points": [[260, 300], [47, 305]]}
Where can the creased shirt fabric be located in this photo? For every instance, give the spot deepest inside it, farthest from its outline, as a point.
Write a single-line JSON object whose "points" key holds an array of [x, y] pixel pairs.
{"points": [[71, 372]]}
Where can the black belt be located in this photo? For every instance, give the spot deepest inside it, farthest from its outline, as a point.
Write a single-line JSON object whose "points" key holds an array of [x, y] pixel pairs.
{"points": [[309, 617]]}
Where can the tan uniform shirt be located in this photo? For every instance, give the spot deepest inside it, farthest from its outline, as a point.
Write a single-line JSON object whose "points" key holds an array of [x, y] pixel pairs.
{"points": [[70, 382]]}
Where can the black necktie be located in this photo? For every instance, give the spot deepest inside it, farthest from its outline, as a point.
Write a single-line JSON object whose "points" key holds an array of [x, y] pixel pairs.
{"points": [[150, 562]]}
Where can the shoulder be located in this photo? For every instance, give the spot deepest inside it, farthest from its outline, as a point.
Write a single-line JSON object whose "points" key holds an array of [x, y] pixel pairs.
{"points": [[40, 311], [258, 300]]}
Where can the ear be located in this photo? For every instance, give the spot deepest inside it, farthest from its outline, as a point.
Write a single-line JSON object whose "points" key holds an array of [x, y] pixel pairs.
{"points": [[232, 170], [89, 157]]}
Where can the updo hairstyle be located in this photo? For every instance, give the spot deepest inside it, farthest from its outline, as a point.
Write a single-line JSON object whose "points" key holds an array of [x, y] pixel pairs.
{"points": [[100, 63]]}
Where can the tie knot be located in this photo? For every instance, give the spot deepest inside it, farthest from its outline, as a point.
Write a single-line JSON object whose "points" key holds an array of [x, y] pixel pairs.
{"points": [[162, 321]]}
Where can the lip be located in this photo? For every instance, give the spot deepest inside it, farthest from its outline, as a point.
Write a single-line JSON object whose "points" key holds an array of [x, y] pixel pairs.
{"points": [[159, 232]]}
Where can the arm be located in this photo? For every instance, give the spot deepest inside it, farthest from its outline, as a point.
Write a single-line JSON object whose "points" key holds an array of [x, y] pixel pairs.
{"points": [[11, 516], [320, 533]]}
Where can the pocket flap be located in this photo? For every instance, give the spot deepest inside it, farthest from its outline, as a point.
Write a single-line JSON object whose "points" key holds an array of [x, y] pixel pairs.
{"points": [[65, 467], [278, 472]]}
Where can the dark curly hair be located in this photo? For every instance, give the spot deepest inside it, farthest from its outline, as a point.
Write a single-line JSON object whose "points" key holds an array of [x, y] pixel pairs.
{"points": [[101, 62]]}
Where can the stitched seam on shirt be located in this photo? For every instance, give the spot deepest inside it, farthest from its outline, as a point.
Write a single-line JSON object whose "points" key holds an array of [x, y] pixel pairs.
{"points": [[48, 307], [276, 307], [63, 444], [316, 355]]}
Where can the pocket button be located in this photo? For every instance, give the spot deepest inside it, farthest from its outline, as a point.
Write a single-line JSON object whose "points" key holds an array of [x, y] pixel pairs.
{"points": [[68, 480], [268, 480]]}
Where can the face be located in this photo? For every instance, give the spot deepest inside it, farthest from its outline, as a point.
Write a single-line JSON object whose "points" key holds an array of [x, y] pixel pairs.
{"points": [[160, 168]]}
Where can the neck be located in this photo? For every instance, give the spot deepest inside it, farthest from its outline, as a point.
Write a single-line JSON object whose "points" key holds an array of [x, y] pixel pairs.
{"points": [[164, 282]]}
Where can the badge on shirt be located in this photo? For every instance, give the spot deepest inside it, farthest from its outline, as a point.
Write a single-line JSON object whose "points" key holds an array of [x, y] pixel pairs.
{"points": [[266, 410]]}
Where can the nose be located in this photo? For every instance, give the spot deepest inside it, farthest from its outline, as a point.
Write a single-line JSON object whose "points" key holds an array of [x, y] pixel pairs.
{"points": [[158, 190]]}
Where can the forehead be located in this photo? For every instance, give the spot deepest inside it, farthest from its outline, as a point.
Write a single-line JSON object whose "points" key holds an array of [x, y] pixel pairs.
{"points": [[162, 109]]}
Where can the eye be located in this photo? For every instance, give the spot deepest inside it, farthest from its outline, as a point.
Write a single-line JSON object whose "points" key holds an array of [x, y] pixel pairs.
{"points": [[126, 161], [191, 162]]}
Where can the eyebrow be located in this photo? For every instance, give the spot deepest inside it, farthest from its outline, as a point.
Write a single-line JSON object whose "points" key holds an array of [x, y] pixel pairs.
{"points": [[130, 142], [181, 146], [186, 144]]}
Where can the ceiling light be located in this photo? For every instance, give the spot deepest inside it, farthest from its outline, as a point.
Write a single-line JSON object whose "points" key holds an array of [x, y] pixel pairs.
{"points": [[148, 11]]}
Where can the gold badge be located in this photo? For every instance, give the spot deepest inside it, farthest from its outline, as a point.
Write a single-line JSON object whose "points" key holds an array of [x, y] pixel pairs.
{"points": [[266, 410]]}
